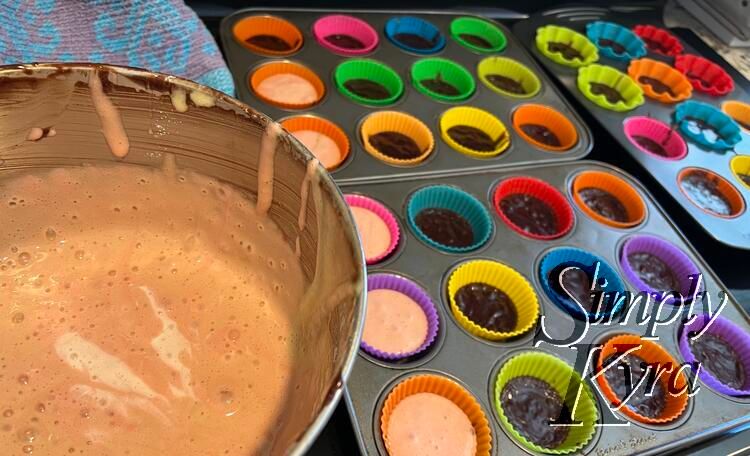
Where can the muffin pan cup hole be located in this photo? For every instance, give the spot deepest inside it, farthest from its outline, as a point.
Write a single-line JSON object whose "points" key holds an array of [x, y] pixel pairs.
{"points": [[287, 85], [442, 79], [615, 41], [565, 46], [478, 35], [467, 129], [345, 35], [268, 35], [545, 127], [396, 138], [368, 82], [609, 88], [308, 130], [413, 34], [508, 77], [383, 218], [607, 212]]}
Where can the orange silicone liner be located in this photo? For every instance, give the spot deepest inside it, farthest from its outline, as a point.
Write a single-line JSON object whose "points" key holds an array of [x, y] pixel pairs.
{"points": [[443, 386], [285, 67], [548, 117], [677, 82], [323, 126], [728, 191], [739, 112], [619, 188], [268, 25], [650, 352]]}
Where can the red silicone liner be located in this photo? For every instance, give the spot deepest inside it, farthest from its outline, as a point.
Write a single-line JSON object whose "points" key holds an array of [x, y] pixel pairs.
{"points": [[704, 75], [386, 215], [659, 35], [336, 24]]}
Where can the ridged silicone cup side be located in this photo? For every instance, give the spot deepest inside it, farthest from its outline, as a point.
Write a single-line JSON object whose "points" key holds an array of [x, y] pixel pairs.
{"points": [[322, 126], [512, 69], [704, 75], [617, 80], [727, 190], [659, 132], [341, 24], [740, 166], [416, 26], [546, 116], [399, 122], [453, 199], [561, 377], [481, 28], [676, 81], [275, 68], [385, 215], [555, 34], [371, 70], [414, 292], [739, 112], [731, 333], [634, 47], [617, 187], [447, 388], [252, 26], [477, 118], [650, 352], [448, 71], [727, 129], [505, 279], [667, 43]]}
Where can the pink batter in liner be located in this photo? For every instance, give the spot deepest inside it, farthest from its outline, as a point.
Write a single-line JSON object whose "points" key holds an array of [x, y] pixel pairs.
{"points": [[394, 323], [377, 227]]}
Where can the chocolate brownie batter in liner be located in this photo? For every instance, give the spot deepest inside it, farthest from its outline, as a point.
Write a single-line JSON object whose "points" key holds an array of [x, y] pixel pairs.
{"points": [[530, 391], [513, 70], [442, 79], [268, 35], [659, 40], [384, 122], [545, 127], [711, 193], [478, 35], [477, 118], [622, 199], [516, 292], [660, 81], [739, 112], [651, 353], [346, 35], [413, 34], [655, 138], [609, 88], [740, 166], [268, 70], [615, 41], [368, 82], [553, 40], [706, 125], [704, 75]]}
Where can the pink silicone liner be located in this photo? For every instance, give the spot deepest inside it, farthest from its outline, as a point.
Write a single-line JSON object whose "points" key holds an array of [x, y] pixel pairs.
{"points": [[656, 131], [339, 24], [385, 214]]}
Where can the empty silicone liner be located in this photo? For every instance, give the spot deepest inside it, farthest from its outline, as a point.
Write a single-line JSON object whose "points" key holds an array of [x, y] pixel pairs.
{"points": [[388, 219], [512, 75], [706, 125], [616, 186], [655, 138], [280, 98], [417, 294], [268, 35], [414, 35], [615, 41], [427, 75], [444, 387], [714, 193], [398, 122], [457, 201], [345, 35], [704, 75], [545, 127], [565, 46], [567, 383], [740, 166], [478, 35], [734, 336], [658, 40], [739, 112], [479, 119], [325, 127], [660, 81], [505, 279], [675, 389], [542, 191], [369, 70], [596, 82]]}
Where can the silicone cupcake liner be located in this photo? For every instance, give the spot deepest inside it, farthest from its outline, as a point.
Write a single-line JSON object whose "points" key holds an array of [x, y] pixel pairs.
{"points": [[617, 80], [446, 70], [543, 191], [704, 75], [727, 190], [340, 24], [659, 132], [505, 279], [555, 121], [415, 292], [480, 28], [371, 70], [635, 48], [385, 215], [416, 26], [676, 81], [735, 336], [727, 129], [740, 166], [650, 352], [268, 25], [511, 69], [274, 68], [322, 126], [458, 201], [619, 188], [561, 377], [399, 122], [739, 112], [554, 34], [659, 40], [447, 388], [477, 118]]}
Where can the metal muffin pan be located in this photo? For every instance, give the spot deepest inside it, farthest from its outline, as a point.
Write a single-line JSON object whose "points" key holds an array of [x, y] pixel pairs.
{"points": [[349, 115], [734, 232], [475, 362]]}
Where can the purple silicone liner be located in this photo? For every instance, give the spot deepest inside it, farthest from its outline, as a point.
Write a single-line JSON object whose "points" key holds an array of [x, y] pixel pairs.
{"points": [[415, 292], [340, 24], [734, 336]]}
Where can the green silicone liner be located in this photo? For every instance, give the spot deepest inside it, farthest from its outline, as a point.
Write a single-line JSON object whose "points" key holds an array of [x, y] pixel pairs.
{"points": [[481, 28], [618, 80], [553, 33], [374, 71], [512, 69], [451, 72], [558, 375]]}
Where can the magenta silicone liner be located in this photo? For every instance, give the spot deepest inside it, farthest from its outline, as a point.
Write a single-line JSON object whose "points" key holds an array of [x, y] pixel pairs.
{"points": [[733, 335], [385, 214], [340, 24], [658, 131], [415, 292]]}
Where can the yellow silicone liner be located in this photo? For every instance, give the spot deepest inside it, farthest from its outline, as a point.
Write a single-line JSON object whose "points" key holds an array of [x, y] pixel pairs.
{"points": [[554, 34], [621, 82], [738, 111], [400, 122], [619, 188], [477, 118], [741, 165], [676, 81], [512, 69], [551, 118]]}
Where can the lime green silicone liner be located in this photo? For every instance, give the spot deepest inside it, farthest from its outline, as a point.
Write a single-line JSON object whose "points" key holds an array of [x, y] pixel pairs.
{"points": [[374, 71], [554, 34], [480, 28], [630, 91], [449, 71], [511, 69]]}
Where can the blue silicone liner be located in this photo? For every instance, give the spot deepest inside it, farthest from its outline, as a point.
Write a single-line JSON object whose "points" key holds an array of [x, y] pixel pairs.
{"points": [[464, 204], [417, 26], [727, 128], [635, 48]]}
